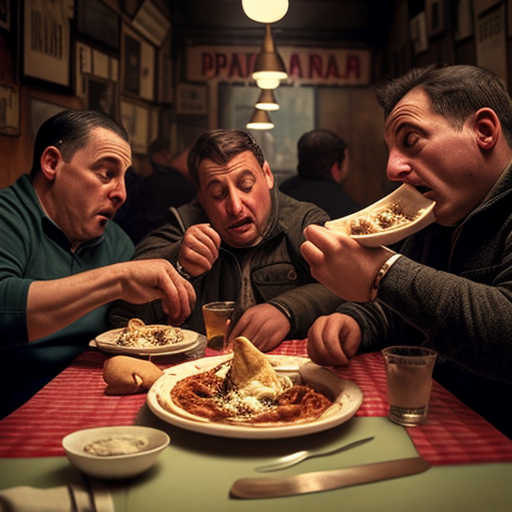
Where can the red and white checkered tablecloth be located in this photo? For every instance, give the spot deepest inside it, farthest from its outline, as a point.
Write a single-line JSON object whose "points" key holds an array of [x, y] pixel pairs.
{"points": [[75, 399]]}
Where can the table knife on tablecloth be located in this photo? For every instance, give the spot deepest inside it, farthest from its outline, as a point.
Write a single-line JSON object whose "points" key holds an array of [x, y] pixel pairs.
{"points": [[250, 488]]}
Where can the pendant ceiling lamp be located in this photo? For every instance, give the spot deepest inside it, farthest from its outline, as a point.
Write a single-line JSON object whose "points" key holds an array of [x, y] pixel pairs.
{"points": [[266, 101], [260, 120], [269, 68], [265, 11]]}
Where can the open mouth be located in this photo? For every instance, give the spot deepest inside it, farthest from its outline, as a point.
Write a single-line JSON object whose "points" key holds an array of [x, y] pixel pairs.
{"points": [[240, 224], [108, 214], [104, 217], [423, 190]]}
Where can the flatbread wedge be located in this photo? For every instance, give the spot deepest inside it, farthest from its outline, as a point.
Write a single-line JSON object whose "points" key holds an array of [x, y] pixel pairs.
{"points": [[249, 364]]}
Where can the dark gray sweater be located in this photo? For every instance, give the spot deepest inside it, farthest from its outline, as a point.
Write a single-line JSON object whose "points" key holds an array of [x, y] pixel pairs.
{"points": [[453, 291]]}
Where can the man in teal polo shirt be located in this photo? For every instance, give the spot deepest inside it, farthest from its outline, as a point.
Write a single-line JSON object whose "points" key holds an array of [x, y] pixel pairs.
{"points": [[57, 241]]}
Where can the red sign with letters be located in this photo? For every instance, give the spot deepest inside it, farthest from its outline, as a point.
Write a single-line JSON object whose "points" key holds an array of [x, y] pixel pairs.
{"points": [[305, 66]]}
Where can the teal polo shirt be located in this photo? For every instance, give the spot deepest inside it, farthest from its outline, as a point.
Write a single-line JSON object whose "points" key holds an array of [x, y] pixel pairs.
{"points": [[33, 248]]}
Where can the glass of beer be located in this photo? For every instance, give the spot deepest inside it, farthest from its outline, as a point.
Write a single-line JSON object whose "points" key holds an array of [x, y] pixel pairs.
{"points": [[215, 316]]}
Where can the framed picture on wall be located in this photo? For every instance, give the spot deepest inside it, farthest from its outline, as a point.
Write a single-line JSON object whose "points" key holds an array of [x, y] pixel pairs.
{"points": [[491, 38], [131, 7], [97, 76], [5, 14], [463, 15], [40, 111], [192, 99], [137, 65], [46, 44], [151, 23], [436, 16], [418, 32], [101, 96], [136, 119], [10, 110], [97, 21]]}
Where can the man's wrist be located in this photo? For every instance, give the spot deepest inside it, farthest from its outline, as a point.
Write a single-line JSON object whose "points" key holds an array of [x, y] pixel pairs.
{"points": [[283, 308], [383, 270], [182, 272]]}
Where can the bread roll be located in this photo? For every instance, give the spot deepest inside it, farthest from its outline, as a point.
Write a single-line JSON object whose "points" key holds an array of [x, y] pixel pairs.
{"points": [[126, 375]]}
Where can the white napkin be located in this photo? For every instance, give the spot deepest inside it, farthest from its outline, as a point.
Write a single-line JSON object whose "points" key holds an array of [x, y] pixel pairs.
{"points": [[56, 499]]}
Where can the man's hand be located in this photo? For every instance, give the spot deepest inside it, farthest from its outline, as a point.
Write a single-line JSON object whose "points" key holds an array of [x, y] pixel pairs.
{"points": [[147, 280], [333, 339], [54, 304], [199, 249], [341, 264], [264, 325]]}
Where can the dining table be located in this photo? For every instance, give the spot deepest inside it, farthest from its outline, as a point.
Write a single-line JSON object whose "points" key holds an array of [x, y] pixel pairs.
{"points": [[470, 460]]}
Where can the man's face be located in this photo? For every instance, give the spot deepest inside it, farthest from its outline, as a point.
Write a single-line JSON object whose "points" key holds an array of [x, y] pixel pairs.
{"points": [[445, 164], [237, 198], [90, 188]]}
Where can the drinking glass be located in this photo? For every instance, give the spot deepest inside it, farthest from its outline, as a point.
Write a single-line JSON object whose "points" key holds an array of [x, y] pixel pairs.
{"points": [[215, 315], [409, 376]]}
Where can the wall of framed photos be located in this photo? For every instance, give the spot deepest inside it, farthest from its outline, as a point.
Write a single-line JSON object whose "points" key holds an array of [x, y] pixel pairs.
{"points": [[104, 55], [125, 58]]}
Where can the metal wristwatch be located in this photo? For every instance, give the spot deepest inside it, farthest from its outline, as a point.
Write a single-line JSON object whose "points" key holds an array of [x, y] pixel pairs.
{"points": [[182, 272]]}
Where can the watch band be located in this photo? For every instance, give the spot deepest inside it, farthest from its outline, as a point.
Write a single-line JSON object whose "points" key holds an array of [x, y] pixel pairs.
{"points": [[182, 272], [380, 275]]}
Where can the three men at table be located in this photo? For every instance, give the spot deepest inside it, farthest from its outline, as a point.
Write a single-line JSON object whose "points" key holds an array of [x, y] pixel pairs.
{"points": [[449, 133]]}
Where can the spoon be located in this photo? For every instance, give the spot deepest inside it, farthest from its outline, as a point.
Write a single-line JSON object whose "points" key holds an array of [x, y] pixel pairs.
{"points": [[294, 458]]}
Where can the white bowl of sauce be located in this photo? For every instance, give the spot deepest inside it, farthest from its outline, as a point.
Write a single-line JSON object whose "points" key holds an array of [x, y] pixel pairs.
{"points": [[115, 452]]}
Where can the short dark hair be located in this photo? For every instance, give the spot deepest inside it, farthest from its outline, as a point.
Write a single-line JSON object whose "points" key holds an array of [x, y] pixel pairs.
{"points": [[69, 131], [220, 146], [318, 150], [455, 92]]}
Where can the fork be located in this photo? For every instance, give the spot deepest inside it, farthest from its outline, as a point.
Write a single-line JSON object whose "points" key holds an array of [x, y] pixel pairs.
{"points": [[290, 460]]}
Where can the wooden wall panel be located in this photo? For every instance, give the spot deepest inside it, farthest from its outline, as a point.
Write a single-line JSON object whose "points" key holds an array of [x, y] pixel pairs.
{"points": [[354, 114]]}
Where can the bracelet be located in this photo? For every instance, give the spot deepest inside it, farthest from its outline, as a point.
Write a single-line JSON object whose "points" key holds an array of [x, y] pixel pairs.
{"points": [[380, 275], [283, 309], [182, 272]]}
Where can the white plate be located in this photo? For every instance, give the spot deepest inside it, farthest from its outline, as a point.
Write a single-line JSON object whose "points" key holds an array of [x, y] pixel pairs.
{"points": [[347, 399], [411, 200], [107, 343]]}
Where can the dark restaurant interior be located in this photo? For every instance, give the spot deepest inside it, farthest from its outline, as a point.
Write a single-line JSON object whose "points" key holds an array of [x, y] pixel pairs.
{"points": [[245, 344], [190, 71]]}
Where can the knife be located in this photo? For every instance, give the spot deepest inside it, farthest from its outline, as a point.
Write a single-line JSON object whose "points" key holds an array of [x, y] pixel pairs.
{"points": [[251, 488]]}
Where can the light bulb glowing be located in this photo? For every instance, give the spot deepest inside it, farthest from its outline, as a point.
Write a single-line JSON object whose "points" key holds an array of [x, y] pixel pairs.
{"points": [[267, 82], [269, 67], [260, 120], [265, 11], [266, 101], [267, 106]]}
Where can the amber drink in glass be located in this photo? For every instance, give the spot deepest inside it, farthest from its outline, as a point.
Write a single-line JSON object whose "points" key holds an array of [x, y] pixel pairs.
{"points": [[215, 315]]}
